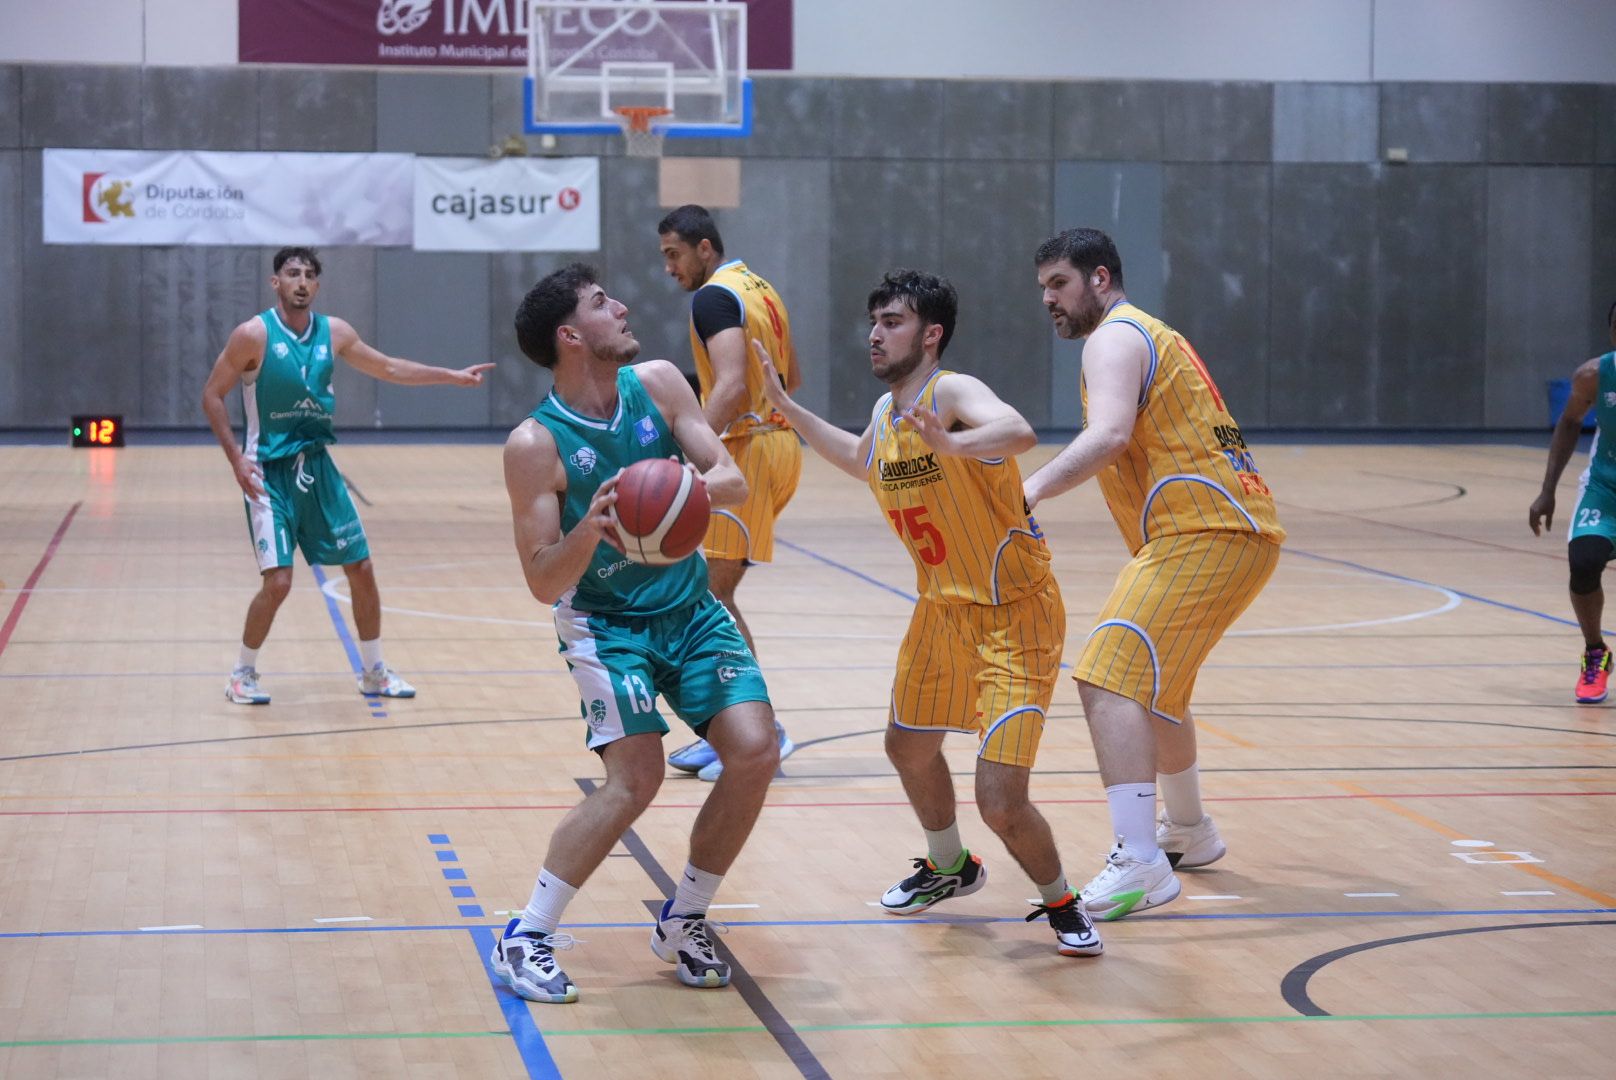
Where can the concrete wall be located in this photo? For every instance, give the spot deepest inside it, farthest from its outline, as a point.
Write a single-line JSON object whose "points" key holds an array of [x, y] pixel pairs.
{"points": [[1324, 286]]}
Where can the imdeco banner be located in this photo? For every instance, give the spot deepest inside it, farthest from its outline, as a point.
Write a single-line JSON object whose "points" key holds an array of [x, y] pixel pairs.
{"points": [[518, 204], [251, 199]]}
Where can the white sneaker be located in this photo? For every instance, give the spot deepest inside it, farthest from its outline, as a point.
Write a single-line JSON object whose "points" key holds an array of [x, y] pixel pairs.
{"points": [[384, 681], [1127, 884], [528, 965], [243, 688], [684, 940], [1189, 845]]}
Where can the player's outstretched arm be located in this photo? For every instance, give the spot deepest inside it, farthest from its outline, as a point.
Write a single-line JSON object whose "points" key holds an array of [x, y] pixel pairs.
{"points": [[1584, 392], [970, 420], [394, 369], [1114, 362], [842, 449], [534, 479], [726, 485], [239, 356]]}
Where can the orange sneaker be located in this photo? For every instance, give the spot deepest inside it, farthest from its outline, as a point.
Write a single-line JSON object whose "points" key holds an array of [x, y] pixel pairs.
{"points": [[1595, 674]]}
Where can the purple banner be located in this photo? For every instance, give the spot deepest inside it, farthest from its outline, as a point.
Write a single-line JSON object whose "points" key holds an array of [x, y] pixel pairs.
{"points": [[439, 33]]}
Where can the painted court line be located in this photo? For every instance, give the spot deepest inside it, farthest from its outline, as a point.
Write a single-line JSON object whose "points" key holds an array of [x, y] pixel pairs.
{"points": [[1357, 894], [1187, 896], [345, 918], [1528, 892], [27, 589], [165, 929]]}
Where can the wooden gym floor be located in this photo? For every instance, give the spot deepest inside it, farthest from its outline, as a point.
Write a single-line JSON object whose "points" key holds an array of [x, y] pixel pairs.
{"points": [[1422, 854]]}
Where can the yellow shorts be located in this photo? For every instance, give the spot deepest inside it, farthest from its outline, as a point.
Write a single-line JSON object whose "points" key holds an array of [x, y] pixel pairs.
{"points": [[987, 669], [1170, 605], [772, 463]]}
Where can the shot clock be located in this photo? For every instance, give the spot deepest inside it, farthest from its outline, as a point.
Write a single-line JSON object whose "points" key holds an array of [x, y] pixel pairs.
{"points": [[98, 430]]}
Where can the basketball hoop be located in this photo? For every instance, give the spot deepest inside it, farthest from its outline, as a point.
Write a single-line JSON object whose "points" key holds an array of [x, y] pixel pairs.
{"points": [[643, 141]]}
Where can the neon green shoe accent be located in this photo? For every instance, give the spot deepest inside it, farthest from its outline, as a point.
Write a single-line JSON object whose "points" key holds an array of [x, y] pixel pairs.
{"points": [[959, 864], [1125, 902]]}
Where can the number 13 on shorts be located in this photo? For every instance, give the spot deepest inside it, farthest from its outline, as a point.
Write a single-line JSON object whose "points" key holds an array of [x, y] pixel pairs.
{"points": [[913, 523]]}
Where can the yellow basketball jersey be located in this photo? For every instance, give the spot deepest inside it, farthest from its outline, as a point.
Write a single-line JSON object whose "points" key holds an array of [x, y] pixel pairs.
{"points": [[1187, 467], [963, 519], [767, 321]]}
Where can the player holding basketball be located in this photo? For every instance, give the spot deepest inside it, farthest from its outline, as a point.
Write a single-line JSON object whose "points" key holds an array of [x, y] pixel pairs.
{"points": [[629, 632], [283, 360], [1593, 523], [982, 652], [731, 306], [1199, 520]]}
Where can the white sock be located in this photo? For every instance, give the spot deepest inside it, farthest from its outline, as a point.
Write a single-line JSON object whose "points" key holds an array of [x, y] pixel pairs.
{"points": [[550, 898], [371, 653], [1181, 795], [944, 847], [1133, 818], [695, 892], [1056, 892], [247, 659]]}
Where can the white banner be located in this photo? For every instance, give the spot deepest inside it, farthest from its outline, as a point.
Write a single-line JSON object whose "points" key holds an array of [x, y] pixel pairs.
{"points": [[204, 197], [515, 204]]}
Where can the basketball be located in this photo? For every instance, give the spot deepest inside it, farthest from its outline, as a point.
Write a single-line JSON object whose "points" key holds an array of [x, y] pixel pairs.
{"points": [[661, 511]]}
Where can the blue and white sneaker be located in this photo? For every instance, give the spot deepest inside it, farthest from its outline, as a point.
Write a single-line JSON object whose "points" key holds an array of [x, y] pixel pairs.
{"points": [[683, 940], [383, 681], [715, 768], [528, 965], [693, 758], [243, 688]]}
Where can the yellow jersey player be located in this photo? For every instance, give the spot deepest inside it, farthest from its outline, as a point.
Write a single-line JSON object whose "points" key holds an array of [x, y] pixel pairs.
{"points": [[983, 648], [1199, 520], [731, 306]]}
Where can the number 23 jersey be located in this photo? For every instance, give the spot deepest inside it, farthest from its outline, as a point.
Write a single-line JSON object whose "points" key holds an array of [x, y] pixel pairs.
{"points": [[962, 519]]}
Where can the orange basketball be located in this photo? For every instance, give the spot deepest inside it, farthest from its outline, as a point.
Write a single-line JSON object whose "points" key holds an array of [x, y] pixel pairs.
{"points": [[661, 511]]}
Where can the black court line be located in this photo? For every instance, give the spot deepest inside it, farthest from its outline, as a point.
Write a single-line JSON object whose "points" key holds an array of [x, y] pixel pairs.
{"points": [[758, 1001], [1293, 987], [353, 487]]}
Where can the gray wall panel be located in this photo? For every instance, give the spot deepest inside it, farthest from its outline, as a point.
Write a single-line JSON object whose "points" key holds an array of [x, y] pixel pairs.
{"points": [[76, 357], [1108, 121], [1215, 222], [199, 108], [659, 312], [1538, 261], [1002, 336], [10, 106], [998, 121], [1125, 200], [316, 109], [1431, 293], [888, 214], [1326, 122], [348, 291], [1605, 123], [888, 118], [1323, 352], [1217, 121], [518, 384], [12, 366], [434, 113], [792, 118], [1434, 121], [432, 307], [1604, 261], [1540, 124], [80, 106], [192, 298]]}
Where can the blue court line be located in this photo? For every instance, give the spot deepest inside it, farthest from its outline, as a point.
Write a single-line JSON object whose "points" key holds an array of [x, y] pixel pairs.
{"points": [[888, 920], [348, 643], [844, 568], [1433, 585], [518, 1017]]}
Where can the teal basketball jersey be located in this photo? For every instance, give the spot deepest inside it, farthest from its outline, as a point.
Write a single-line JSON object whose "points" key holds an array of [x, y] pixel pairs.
{"points": [[592, 450], [289, 403], [1602, 456]]}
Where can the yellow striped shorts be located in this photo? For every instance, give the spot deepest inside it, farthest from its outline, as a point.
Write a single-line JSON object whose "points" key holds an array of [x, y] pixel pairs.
{"points": [[1170, 605], [771, 461], [987, 669]]}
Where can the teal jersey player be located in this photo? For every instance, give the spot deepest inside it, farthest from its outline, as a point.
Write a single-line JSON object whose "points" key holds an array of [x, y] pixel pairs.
{"points": [[293, 495], [630, 634], [1591, 531]]}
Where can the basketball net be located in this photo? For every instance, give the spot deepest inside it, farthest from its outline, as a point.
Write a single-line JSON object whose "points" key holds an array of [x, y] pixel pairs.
{"points": [[643, 141]]}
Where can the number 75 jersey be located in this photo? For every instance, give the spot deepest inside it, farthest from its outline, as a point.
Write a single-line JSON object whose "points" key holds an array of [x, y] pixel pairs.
{"points": [[963, 519]]}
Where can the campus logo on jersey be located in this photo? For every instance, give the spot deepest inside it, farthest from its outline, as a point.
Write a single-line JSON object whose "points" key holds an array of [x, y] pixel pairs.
{"points": [[645, 430], [1610, 398], [320, 352], [597, 713], [730, 674], [402, 16], [263, 545], [308, 404], [584, 458], [107, 199], [281, 349]]}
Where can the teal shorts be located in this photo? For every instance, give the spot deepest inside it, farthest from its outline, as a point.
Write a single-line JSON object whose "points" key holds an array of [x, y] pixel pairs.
{"points": [[694, 658], [1595, 514], [305, 502]]}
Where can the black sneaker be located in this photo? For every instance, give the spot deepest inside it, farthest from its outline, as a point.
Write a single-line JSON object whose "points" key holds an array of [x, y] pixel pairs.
{"points": [[682, 940], [927, 885], [1074, 933], [528, 965]]}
